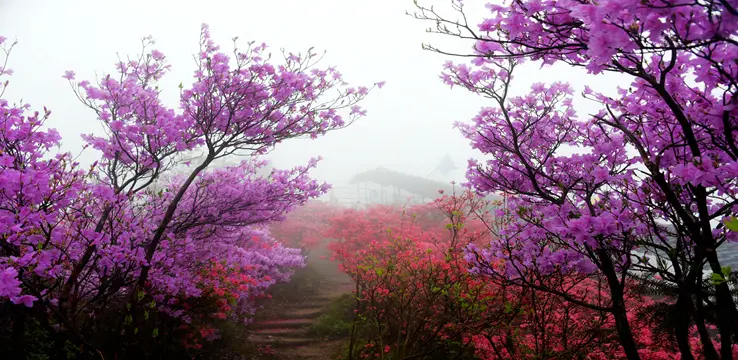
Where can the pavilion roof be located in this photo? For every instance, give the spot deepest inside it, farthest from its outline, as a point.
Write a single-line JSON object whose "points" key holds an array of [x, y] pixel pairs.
{"points": [[413, 184]]}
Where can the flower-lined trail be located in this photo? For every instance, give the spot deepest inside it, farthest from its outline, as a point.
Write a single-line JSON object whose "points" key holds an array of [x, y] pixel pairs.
{"points": [[284, 323]]}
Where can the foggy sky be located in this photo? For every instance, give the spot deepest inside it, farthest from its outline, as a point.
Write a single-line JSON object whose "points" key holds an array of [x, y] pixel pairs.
{"points": [[409, 122]]}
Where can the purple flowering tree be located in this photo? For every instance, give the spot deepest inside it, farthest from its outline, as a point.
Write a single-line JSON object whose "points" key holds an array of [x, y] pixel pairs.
{"points": [[130, 235], [653, 175]]}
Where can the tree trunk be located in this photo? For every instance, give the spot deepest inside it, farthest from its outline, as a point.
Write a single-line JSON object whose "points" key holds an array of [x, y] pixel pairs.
{"points": [[18, 347], [725, 308], [624, 332], [619, 311], [698, 311], [682, 326]]}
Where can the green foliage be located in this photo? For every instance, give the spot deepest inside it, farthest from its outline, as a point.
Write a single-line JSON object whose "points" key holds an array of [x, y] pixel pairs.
{"points": [[732, 224], [41, 342], [303, 283], [664, 315], [71, 350], [231, 344], [337, 320]]}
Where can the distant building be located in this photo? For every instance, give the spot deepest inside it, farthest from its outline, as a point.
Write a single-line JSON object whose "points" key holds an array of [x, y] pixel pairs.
{"points": [[383, 186], [444, 170]]}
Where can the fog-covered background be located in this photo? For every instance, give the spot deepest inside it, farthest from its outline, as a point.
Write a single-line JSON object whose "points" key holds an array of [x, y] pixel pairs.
{"points": [[409, 124]]}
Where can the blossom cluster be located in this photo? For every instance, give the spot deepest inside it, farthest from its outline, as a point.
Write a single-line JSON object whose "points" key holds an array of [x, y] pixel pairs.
{"points": [[642, 186], [144, 227]]}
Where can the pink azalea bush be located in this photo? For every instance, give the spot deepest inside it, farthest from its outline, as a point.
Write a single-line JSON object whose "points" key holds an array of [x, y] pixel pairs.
{"points": [[653, 174], [415, 295], [133, 241]]}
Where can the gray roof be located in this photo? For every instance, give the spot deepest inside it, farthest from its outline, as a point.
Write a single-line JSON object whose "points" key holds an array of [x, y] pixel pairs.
{"points": [[413, 184], [728, 255]]}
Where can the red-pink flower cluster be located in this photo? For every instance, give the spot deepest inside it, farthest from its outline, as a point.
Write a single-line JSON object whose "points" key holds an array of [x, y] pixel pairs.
{"points": [[143, 226]]}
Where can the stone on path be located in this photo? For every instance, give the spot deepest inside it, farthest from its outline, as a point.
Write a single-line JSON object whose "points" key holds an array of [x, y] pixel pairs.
{"points": [[286, 330]]}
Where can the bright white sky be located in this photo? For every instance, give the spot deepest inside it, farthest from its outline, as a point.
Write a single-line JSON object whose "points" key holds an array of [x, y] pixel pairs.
{"points": [[409, 126]]}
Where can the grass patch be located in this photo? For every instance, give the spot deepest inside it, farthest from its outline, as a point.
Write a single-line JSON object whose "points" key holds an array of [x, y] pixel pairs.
{"points": [[304, 282], [336, 321]]}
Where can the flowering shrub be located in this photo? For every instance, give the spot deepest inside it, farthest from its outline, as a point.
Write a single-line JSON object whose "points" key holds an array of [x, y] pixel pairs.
{"points": [[420, 293], [652, 179], [414, 294], [101, 257]]}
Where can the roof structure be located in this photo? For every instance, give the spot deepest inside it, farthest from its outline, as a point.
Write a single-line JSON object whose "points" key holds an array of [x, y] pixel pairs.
{"points": [[410, 183]]}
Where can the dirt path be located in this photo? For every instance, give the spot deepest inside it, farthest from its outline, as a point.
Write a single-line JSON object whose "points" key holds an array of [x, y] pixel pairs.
{"points": [[284, 324]]}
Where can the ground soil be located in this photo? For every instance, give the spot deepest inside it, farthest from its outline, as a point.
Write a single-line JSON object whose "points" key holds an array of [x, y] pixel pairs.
{"points": [[283, 324]]}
